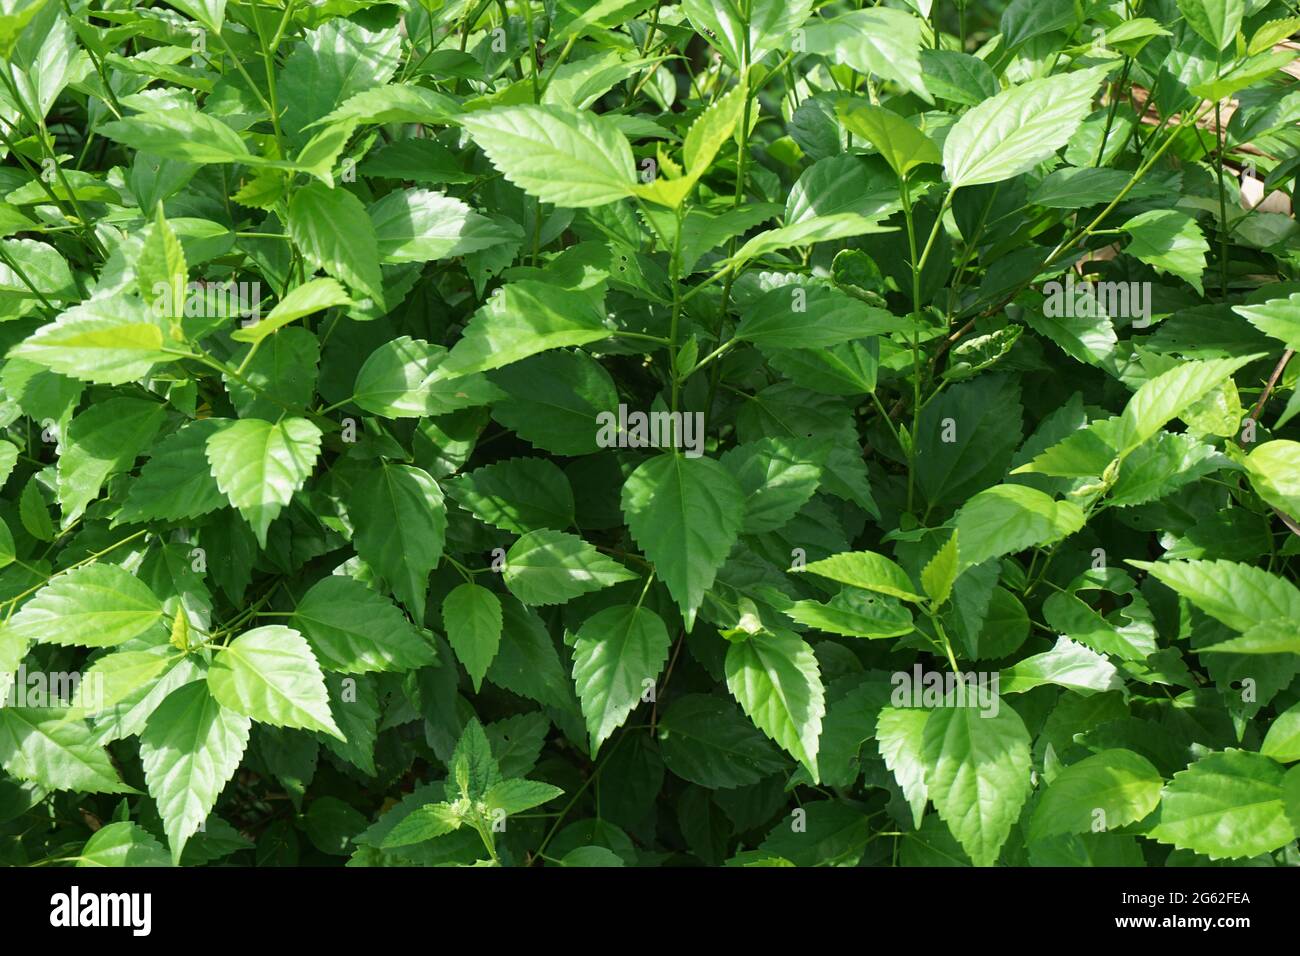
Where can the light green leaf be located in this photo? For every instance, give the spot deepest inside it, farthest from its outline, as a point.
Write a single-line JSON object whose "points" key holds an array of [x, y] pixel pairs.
{"points": [[776, 679], [98, 605], [334, 232], [1169, 395], [1282, 742], [122, 844], [315, 295], [1010, 518], [271, 675], [810, 318], [1279, 318], [522, 319], [409, 378], [1171, 242], [867, 570], [853, 613], [1019, 128], [876, 40], [552, 567], [1108, 790], [617, 655], [417, 225], [181, 133], [901, 144], [190, 747], [558, 154], [471, 615], [40, 745], [1278, 636], [900, 735], [108, 340], [1216, 21], [1068, 665], [685, 514], [259, 466], [1239, 595], [977, 773], [941, 571], [1226, 806], [1274, 469]]}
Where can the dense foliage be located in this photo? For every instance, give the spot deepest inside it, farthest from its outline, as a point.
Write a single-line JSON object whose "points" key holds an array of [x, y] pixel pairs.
{"points": [[602, 433]]}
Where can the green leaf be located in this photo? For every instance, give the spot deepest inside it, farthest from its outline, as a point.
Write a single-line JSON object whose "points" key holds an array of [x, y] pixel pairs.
{"points": [[1278, 636], [522, 319], [1019, 128], [181, 133], [416, 225], [853, 613], [518, 495], [558, 154], [1239, 595], [811, 318], [1010, 518], [554, 401], [685, 514], [876, 40], [767, 24], [977, 773], [355, 630], [900, 735], [939, 574], [1108, 790], [707, 741], [40, 745], [115, 677], [102, 441], [334, 232], [99, 605], [901, 144], [1169, 241], [105, 340], [258, 466], [1067, 665], [122, 844], [400, 522], [1169, 395], [1282, 742], [617, 655], [472, 617], [777, 477], [866, 570], [408, 378], [1216, 21], [312, 296], [176, 483], [1226, 806], [551, 567], [1279, 318], [776, 679], [271, 675], [527, 662], [1274, 469], [190, 748], [516, 796]]}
